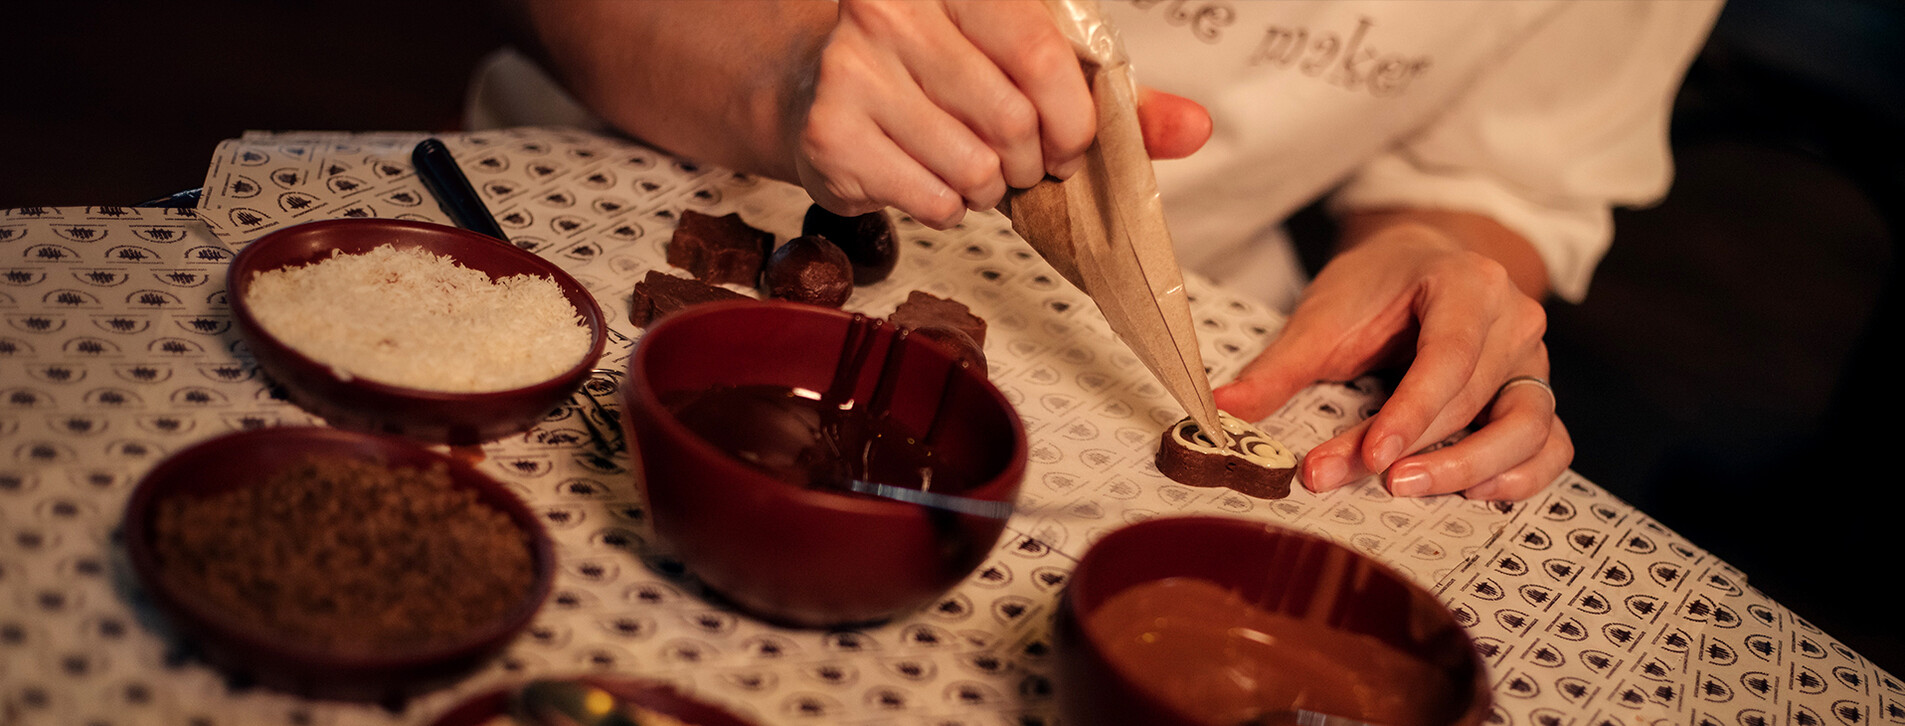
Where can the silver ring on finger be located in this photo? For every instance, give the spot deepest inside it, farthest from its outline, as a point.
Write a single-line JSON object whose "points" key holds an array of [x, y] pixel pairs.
{"points": [[1529, 381]]}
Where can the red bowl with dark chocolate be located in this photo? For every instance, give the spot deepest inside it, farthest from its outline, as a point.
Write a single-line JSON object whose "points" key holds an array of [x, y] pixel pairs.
{"points": [[1210, 621], [252, 650], [815, 555], [369, 405]]}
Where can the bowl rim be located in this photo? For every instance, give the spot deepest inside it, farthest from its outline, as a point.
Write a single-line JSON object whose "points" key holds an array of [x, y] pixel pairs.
{"points": [[1001, 486], [1074, 617], [237, 282], [199, 621]]}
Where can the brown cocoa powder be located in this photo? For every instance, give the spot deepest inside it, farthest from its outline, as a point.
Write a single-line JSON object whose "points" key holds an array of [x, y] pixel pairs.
{"points": [[348, 556]]}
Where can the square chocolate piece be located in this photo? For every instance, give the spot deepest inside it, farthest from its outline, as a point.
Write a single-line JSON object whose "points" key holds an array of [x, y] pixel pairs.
{"points": [[660, 293], [719, 250], [925, 310]]}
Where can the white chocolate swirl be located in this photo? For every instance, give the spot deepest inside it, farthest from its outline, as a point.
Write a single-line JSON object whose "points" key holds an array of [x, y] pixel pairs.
{"points": [[1246, 442]]}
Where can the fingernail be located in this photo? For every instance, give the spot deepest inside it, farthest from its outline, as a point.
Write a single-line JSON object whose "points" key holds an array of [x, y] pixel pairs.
{"points": [[1386, 452], [1067, 169], [1326, 474], [1486, 491], [1409, 480]]}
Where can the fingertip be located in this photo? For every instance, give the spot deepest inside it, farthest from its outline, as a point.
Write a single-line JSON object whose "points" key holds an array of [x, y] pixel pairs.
{"points": [[1263, 387], [945, 223], [1173, 126], [1383, 449], [1410, 480], [945, 208], [1324, 473], [1242, 399], [1487, 491], [1067, 168]]}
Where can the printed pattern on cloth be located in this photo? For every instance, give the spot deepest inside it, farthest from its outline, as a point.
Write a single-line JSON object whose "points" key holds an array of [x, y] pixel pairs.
{"points": [[117, 349]]}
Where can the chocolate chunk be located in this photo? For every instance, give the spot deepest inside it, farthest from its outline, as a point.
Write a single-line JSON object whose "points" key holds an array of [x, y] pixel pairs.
{"points": [[660, 293], [868, 240], [957, 342], [718, 250], [1254, 464], [924, 310], [810, 270]]}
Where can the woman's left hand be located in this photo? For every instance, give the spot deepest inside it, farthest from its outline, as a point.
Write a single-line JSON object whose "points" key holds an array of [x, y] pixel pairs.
{"points": [[1406, 288]]}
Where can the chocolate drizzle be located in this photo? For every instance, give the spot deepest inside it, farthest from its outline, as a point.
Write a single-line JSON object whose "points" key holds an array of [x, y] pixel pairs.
{"points": [[829, 439]]}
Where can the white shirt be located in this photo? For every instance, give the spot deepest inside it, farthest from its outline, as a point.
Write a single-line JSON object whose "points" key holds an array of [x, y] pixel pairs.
{"points": [[1541, 114]]}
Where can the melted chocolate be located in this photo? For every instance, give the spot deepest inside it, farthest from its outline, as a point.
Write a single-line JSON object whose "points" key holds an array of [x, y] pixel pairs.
{"points": [[823, 439], [1224, 661]]}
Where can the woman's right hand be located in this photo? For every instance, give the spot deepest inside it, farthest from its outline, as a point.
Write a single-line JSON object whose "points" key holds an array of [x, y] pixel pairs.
{"points": [[937, 107], [932, 107]]}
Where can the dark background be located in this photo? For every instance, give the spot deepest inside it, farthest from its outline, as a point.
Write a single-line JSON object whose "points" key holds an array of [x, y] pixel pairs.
{"points": [[1726, 374]]}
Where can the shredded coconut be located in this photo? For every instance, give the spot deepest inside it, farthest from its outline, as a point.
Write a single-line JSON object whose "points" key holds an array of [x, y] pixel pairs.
{"points": [[411, 318]]}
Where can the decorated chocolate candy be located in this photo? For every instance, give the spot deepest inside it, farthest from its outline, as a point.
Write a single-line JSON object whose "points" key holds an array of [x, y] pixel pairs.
{"points": [[1253, 464]]}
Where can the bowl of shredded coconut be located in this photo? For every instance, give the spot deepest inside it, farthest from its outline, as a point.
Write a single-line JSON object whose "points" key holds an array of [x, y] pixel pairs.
{"points": [[411, 328]]}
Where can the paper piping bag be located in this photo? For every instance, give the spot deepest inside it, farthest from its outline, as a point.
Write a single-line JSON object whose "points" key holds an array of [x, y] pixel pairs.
{"points": [[1104, 230]]}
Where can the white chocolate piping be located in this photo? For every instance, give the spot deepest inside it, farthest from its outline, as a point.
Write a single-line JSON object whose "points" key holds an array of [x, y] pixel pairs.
{"points": [[1246, 442]]}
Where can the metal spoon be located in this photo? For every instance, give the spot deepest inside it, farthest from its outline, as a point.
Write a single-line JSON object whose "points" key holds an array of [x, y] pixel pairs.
{"points": [[949, 502]]}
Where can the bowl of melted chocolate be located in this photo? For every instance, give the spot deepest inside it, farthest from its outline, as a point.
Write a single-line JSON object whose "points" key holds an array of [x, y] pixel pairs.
{"points": [[761, 427], [1209, 621]]}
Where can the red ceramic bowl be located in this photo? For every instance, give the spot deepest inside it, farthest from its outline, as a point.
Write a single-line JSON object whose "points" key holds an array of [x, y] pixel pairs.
{"points": [[236, 460], [1274, 569], [365, 405], [485, 708], [813, 557]]}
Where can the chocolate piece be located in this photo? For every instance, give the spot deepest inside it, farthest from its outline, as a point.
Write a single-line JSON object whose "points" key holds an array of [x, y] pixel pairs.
{"points": [[810, 270], [660, 293], [957, 342], [718, 250], [868, 239], [923, 310], [1254, 464]]}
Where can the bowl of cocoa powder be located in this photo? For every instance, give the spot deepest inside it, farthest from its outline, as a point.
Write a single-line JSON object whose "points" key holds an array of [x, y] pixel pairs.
{"points": [[335, 564]]}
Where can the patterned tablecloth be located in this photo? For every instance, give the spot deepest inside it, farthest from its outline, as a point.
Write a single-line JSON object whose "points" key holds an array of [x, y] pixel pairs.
{"points": [[117, 349]]}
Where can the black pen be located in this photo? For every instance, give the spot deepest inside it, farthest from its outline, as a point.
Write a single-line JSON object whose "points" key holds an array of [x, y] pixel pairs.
{"points": [[445, 180]]}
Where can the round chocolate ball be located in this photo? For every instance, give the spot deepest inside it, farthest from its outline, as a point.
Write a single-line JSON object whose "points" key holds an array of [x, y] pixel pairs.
{"points": [[868, 239], [811, 270]]}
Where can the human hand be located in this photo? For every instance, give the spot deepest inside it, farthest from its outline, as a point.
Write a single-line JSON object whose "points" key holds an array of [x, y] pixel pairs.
{"points": [[1413, 289], [935, 108]]}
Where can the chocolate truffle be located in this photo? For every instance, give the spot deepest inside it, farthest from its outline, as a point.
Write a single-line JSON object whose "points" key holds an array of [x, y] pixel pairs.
{"points": [[1254, 464], [924, 310], [660, 293], [718, 250], [810, 270], [868, 239]]}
